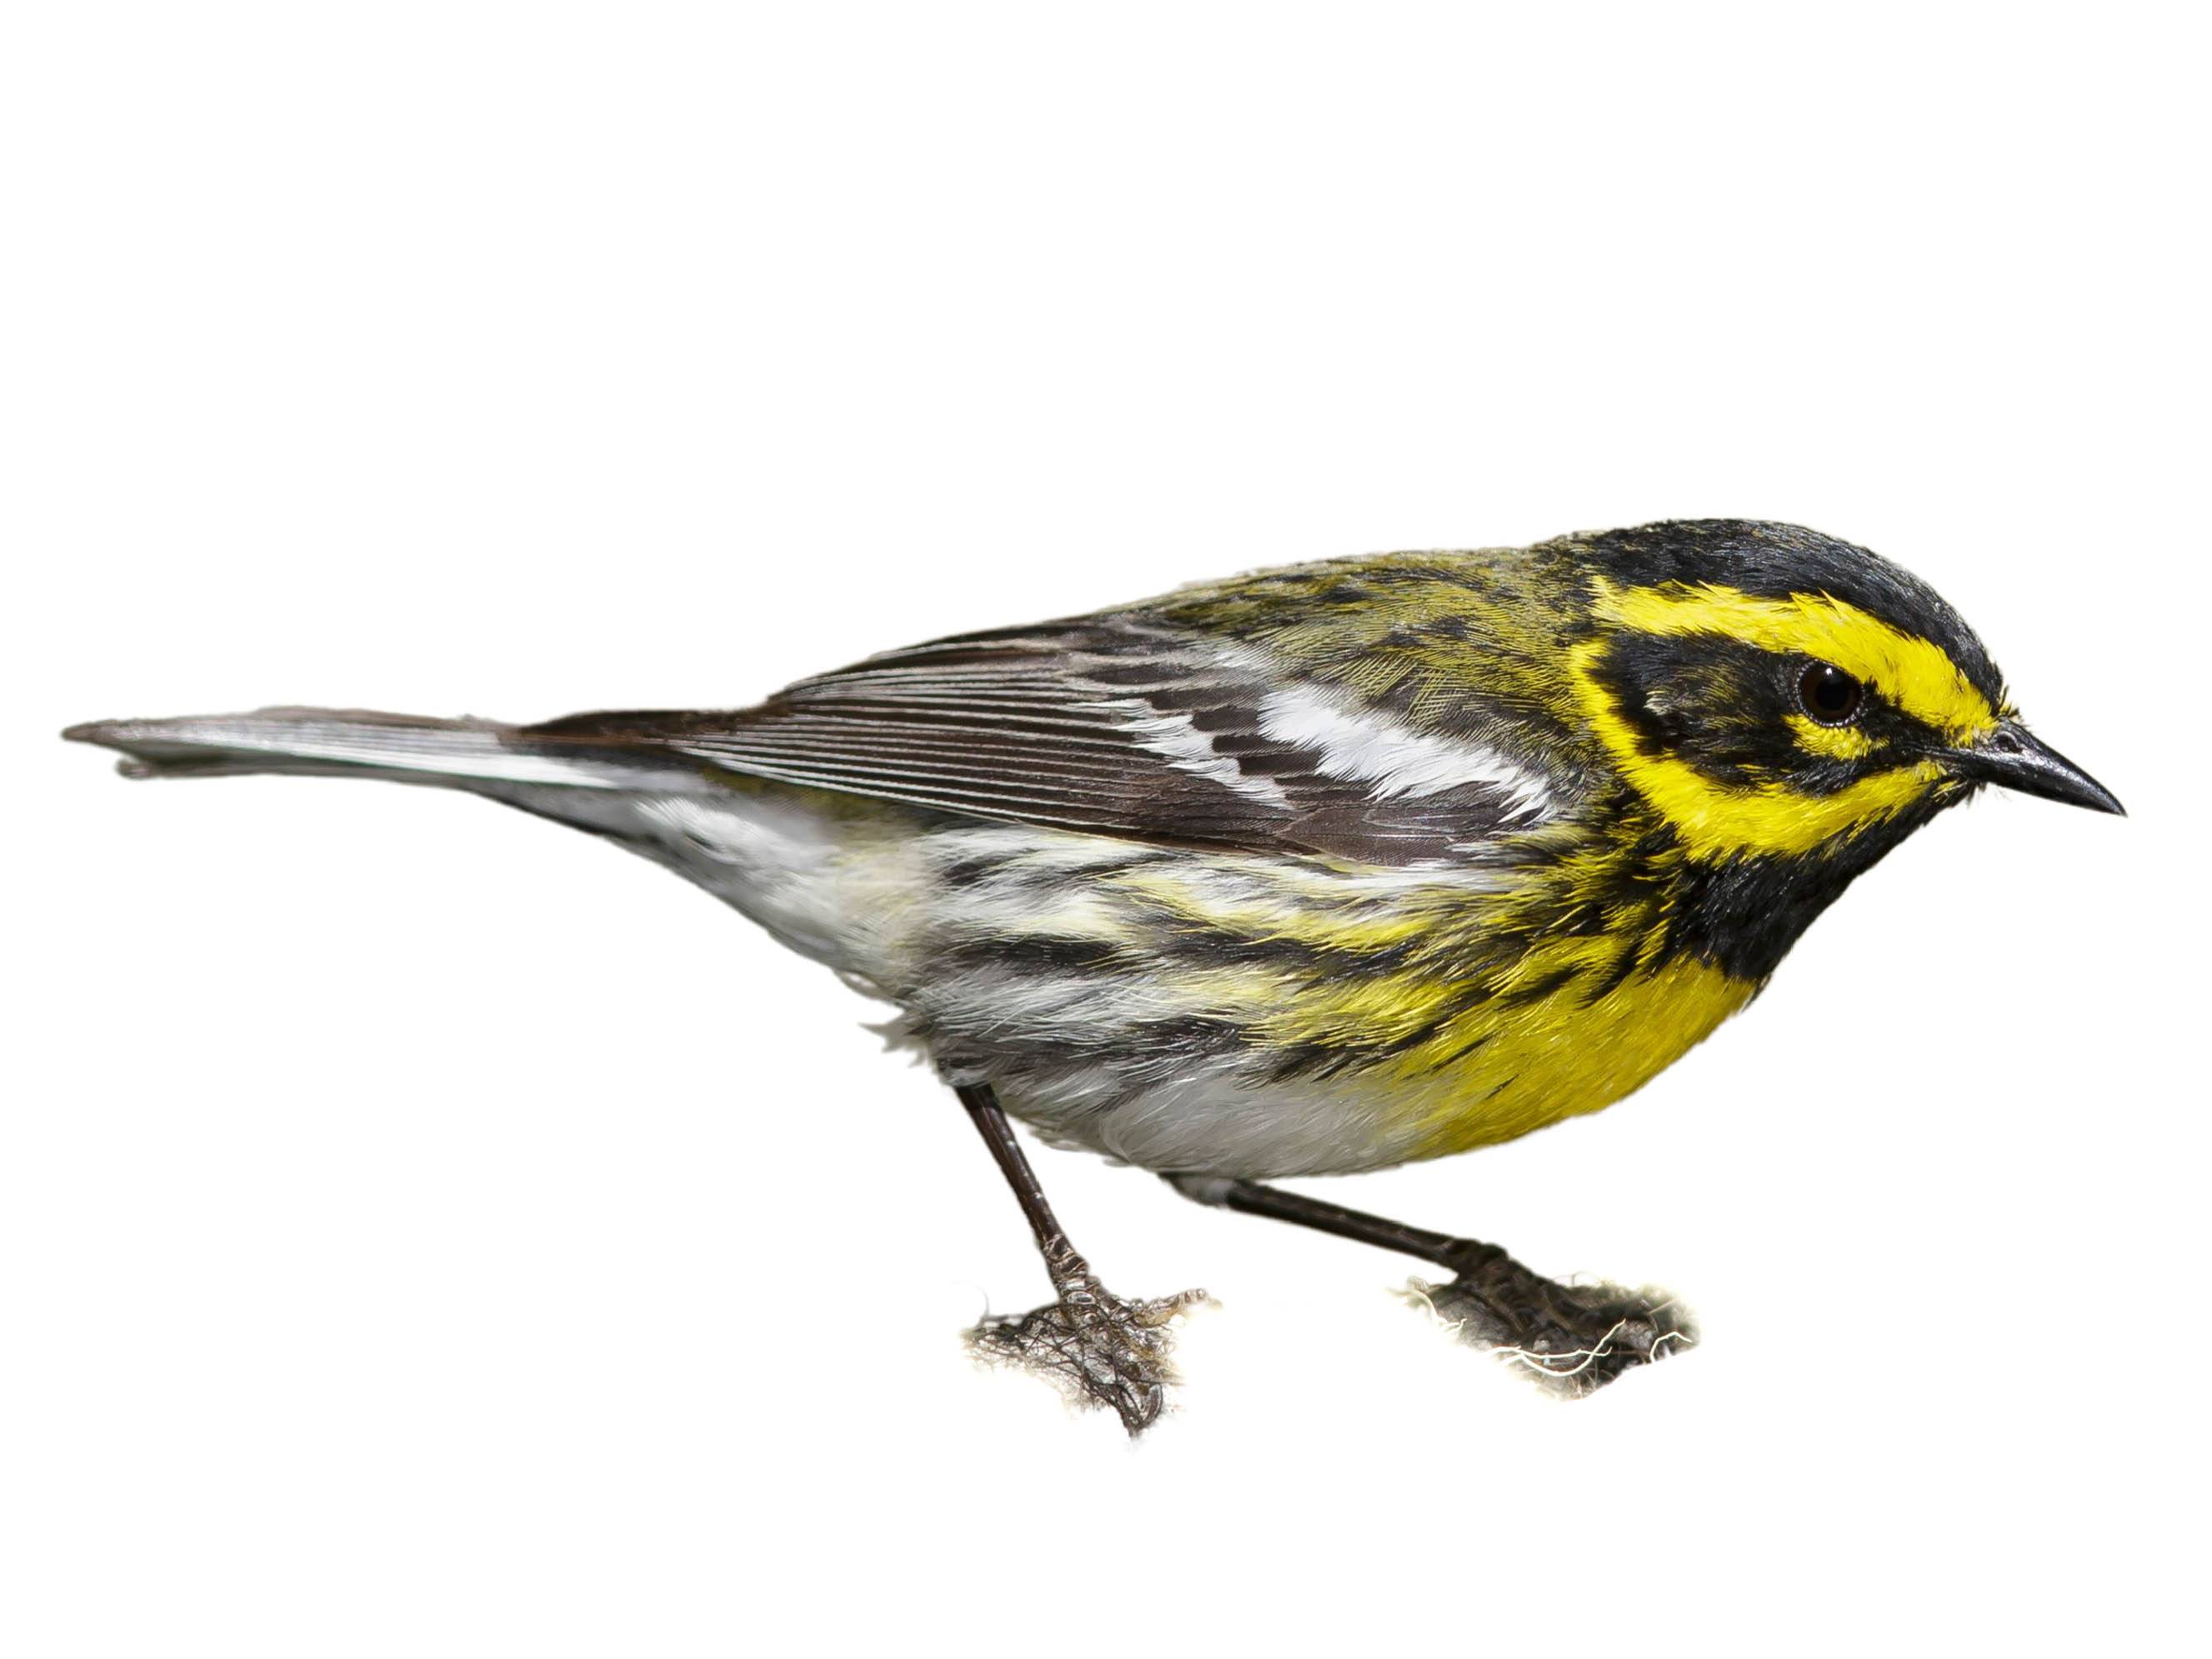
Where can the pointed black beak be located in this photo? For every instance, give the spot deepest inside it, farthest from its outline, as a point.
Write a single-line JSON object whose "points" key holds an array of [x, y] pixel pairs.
{"points": [[2012, 757]]}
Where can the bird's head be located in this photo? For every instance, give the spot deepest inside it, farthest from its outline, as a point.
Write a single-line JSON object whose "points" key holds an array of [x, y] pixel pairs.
{"points": [[1772, 692]]}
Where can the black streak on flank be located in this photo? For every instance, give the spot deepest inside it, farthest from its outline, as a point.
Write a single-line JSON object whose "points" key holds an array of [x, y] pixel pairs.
{"points": [[1030, 953]]}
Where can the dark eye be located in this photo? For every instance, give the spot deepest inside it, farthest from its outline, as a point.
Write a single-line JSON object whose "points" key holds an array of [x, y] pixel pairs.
{"points": [[1830, 696]]}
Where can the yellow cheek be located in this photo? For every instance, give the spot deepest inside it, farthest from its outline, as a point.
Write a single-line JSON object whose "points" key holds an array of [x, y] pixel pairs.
{"points": [[1843, 742], [1717, 820]]}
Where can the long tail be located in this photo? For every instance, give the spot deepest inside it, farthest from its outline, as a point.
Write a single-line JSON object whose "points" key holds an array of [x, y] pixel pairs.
{"points": [[357, 742], [760, 846]]}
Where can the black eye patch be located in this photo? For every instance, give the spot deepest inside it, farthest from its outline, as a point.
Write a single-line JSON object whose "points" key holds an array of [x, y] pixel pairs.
{"points": [[1711, 702], [1724, 707]]}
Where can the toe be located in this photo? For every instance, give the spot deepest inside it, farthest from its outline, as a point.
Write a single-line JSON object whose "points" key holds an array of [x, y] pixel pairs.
{"points": [[1102, 1351]]}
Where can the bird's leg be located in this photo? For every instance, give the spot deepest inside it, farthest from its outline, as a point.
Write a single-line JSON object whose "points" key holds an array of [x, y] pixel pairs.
{"points": [[1103, 1349], [1575, 1339]]}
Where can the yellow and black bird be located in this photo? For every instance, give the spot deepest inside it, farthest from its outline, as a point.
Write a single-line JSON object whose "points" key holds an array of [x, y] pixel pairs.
{"points": [[1314, 871]]}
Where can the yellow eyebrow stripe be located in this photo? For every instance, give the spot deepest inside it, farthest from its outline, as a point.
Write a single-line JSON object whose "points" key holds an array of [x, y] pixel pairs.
{"points": [[1913, 673]]}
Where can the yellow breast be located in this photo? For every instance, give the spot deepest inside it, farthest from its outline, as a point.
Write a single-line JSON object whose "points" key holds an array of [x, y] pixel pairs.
{"points": [[1503, 1069]]}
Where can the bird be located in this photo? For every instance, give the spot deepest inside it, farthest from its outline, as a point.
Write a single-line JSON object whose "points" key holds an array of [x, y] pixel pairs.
{"points": [[1315, 871]]}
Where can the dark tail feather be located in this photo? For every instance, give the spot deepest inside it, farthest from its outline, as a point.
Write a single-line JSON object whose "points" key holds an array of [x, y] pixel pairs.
{"points": [[360, 743]]}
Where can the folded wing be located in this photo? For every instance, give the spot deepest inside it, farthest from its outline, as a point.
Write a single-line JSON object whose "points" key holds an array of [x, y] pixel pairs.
{"points": [[1112, 726]]}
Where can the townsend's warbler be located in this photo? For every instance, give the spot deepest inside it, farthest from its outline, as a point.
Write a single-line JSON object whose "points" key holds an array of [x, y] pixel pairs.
{"points": [[1313, 871]]}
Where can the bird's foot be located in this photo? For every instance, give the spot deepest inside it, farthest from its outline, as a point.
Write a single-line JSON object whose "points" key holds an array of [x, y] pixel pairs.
{"points": [[1572, 1338], [1100, 1350]]}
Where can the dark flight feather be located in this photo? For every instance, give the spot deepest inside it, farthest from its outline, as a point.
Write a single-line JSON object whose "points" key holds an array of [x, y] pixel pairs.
{"points": [[1109, 727]]}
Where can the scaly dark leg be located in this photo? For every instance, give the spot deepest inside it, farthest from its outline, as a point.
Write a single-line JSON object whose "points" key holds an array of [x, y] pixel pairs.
{"points": [[1101, 1350], [1575, 1338]]}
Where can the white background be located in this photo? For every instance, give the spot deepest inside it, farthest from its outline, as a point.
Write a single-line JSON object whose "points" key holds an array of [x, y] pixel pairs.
{"points": [[424, 1231]]}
